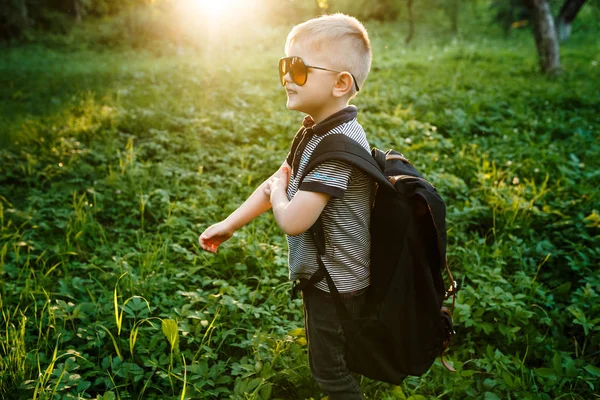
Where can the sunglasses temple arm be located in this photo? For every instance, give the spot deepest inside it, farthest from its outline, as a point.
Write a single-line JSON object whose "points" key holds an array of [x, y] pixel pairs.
{"points": [[355, 83], [326, 69]]}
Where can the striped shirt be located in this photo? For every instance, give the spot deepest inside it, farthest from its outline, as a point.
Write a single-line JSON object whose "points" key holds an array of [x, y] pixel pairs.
{"points": [[345, 218]]}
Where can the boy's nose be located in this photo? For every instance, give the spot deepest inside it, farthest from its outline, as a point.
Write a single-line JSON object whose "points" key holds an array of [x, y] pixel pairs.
{"points": [[288, 78]]}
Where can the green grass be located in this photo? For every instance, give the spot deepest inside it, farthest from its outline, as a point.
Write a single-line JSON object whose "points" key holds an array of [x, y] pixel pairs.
{"points": [[114, 161]]}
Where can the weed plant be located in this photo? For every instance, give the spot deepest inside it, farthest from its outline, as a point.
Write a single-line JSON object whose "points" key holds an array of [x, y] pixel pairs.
{"points": [[114, 161]]}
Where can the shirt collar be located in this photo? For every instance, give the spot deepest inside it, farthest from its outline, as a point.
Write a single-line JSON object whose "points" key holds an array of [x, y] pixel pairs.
{"points": [[341, 117]]}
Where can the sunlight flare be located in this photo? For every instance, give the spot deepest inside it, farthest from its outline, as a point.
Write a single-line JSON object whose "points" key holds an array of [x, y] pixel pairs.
{"points": [[215, 10]]}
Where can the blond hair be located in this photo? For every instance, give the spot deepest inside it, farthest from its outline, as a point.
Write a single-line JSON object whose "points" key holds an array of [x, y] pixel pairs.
{"points": [[344, 39]]}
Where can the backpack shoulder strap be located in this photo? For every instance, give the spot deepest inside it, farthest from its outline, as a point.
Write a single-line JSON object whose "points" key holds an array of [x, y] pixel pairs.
{"points": [[341, 147], [295, 145]]}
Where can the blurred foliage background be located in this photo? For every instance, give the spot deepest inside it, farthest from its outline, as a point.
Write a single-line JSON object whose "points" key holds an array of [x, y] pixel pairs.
{"points": [[149, 20], [128, 127]]}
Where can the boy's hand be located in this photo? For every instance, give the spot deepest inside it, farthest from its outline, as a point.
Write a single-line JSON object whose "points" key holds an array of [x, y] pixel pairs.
{"points": [[278, 183], [214, 235]]}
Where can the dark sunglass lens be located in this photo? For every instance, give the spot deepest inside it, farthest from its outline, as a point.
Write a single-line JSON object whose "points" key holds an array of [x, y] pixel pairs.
{"points": [[282, 70], [298, 71]]}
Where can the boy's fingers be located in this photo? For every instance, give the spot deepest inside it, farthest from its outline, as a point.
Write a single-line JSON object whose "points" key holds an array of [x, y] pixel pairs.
{"points": [[205, 240], [209, 246]]}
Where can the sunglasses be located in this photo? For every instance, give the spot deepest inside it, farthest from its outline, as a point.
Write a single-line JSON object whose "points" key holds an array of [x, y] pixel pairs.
{"points": [[298, 71]]}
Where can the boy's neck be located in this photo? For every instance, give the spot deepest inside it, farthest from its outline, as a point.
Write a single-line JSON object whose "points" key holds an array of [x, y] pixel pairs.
{"points": [[328, 111]]}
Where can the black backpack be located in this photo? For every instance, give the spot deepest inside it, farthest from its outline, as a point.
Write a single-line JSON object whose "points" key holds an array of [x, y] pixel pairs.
{"points": [[404, 326]]}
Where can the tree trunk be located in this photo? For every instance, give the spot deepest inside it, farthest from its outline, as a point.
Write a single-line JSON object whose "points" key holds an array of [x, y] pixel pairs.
{"points": [[77, 11], [567, 14], [546, 39], [453, 13], [24, 11], [411, 23], [25, 22]]}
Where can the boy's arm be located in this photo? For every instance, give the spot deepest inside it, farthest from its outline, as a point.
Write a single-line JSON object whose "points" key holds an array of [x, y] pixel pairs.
{"points": [[327, 180], [298, 215], [255, 205]]}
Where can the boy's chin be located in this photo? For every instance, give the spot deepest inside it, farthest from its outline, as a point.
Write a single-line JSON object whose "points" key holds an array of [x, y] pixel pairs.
{"points": [[293, 106]]}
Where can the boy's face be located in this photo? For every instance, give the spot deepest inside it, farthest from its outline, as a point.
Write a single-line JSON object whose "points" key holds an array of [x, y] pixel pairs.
{"points": [[315, 96]]}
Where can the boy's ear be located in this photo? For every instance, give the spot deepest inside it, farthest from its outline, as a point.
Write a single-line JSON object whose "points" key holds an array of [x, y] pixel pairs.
{"points": [[343, 85]]}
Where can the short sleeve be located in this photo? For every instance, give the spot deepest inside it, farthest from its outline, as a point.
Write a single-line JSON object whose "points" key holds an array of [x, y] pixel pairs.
{"points": [[331, 177]]}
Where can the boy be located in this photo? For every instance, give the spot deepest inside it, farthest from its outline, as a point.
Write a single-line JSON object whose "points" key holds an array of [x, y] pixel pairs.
{"points": [[327, 61]]}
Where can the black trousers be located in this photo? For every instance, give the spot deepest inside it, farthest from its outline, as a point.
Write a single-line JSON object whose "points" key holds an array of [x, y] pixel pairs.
{"points": [[326, 343]]}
